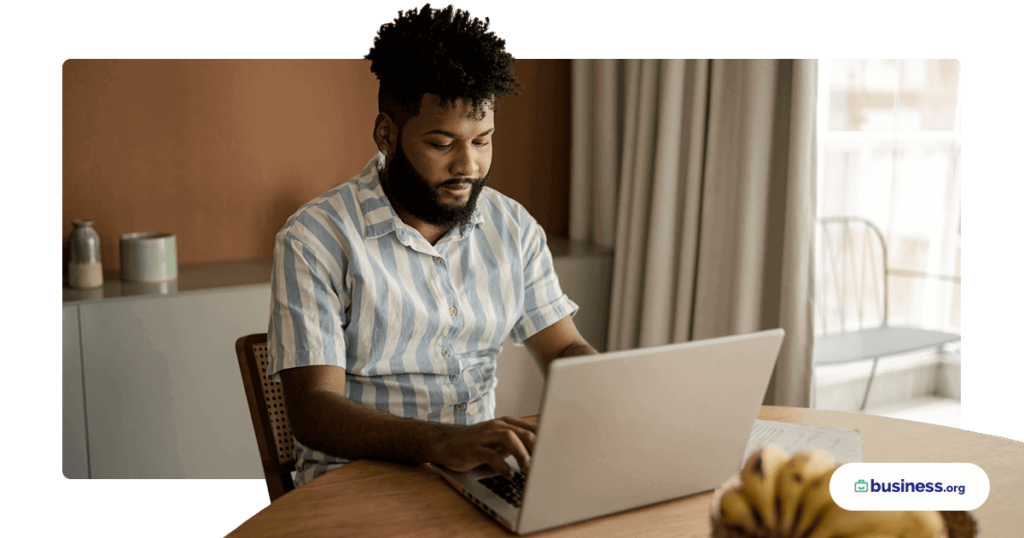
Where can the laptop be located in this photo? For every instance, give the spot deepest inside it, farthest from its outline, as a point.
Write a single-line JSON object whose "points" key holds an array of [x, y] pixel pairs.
{"points": [[631, 428]]}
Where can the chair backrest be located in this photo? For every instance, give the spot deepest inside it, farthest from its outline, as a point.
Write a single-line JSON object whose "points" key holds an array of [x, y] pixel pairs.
{"points": [[269, 419], [851, 284]]}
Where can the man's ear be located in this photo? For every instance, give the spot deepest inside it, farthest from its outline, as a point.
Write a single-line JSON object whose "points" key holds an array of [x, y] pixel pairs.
{"points": [[385, 134]]}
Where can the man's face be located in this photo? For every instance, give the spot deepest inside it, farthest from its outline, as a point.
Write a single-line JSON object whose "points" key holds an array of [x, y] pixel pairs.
{"points": [[442, 162]]}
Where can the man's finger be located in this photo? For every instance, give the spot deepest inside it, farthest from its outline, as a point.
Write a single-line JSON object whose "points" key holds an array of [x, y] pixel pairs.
{"points": [[525, 430], [526, 436], [532, 426], [496, 460], [510, 443]]}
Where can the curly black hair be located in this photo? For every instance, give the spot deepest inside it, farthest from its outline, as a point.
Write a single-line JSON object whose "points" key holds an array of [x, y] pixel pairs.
{"points": [[441, 52]]}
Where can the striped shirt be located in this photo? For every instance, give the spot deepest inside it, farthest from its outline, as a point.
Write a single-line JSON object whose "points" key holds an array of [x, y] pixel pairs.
{"points": [[416, 326]]}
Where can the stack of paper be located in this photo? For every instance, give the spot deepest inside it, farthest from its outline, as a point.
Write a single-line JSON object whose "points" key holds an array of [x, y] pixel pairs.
{"points": [[842, 443]]}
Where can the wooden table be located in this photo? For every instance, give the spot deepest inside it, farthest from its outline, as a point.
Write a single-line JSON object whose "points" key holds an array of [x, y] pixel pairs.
{"points": [[371, 498]]}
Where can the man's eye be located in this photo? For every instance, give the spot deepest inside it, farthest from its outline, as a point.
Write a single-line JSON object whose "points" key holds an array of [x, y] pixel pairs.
{"points": [[439, 147]]}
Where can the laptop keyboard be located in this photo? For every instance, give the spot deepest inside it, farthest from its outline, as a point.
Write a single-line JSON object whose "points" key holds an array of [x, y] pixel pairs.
{"points": [[510, 490]]}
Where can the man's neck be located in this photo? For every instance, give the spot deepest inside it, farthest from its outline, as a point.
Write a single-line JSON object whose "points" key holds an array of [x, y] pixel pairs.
{"points": [[429, 232]]}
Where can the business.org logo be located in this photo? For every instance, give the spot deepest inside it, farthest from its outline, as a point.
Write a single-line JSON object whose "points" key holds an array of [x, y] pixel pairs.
{"points": [[909, 486], [903, 486]]}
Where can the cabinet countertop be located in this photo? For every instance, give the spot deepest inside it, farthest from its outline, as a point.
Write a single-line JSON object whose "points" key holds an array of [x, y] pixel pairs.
{"points": [[191, 277], [215, 275]]}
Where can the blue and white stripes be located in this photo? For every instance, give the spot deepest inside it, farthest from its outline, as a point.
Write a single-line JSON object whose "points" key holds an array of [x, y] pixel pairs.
{"points": [[416, 326]]}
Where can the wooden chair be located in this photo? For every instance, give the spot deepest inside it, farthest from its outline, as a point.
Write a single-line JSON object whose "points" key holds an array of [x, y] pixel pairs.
{"points": [[852, 299], [269, 419]]}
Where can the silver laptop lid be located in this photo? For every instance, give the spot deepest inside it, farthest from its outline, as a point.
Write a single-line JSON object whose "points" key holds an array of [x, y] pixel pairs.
{"points": [[627, 429]]}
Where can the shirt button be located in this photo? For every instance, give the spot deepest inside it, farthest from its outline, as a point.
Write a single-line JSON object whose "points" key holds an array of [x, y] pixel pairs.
{"points": [[460, 406], [453, 311], [445, 352], [437, 259], [453, 377]]}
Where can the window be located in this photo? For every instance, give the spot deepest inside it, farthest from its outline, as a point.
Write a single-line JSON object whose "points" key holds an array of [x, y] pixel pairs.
{"points": [[889, 151]]}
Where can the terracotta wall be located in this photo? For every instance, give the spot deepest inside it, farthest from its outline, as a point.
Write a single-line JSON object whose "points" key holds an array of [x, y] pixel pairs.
{"points": [[221, 152]]}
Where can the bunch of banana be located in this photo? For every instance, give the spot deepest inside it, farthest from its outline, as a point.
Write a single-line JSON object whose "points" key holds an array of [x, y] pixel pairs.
{"points": [[775, 496]]}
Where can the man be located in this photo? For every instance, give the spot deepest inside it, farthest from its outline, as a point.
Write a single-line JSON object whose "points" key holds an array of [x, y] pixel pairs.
{"points": [[393, 293]]}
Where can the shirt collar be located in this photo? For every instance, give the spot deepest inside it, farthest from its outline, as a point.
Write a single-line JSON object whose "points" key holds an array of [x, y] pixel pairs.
{"points": [[381, 217]]}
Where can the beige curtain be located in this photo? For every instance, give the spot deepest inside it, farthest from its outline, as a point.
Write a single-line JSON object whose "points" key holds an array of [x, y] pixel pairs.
{"points": [[700, 175]]}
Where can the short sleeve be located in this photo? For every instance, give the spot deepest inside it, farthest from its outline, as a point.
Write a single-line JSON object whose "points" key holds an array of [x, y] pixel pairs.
{"points": [[543, 300], [306, 310]]}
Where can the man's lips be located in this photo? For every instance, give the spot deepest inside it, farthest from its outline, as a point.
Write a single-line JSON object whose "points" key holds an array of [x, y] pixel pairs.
{"points": [[457, 187]]}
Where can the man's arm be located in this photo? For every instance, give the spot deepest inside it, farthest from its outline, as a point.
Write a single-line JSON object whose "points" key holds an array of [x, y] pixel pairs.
{"points": [[560, 339], [324, 419]]}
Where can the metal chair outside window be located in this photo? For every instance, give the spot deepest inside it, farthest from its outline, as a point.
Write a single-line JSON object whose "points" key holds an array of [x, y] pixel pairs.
{"points": [[852, 294]]}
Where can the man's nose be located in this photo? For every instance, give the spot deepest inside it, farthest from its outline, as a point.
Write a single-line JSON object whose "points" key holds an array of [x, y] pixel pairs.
{"points": [[465, 163]]}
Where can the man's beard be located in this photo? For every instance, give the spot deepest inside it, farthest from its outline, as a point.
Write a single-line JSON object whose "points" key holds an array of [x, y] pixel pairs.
{"points": [[412, 192]]}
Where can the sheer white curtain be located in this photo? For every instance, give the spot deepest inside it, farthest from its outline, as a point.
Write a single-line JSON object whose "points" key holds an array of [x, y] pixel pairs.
{"points": [[700, 174]]}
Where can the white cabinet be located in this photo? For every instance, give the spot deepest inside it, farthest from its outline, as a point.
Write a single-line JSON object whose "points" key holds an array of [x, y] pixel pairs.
{"points": [[163, 392], [75, 462]]}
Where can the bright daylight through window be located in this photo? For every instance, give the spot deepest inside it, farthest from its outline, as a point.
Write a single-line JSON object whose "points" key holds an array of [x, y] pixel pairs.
{"points": [[889, 151]]}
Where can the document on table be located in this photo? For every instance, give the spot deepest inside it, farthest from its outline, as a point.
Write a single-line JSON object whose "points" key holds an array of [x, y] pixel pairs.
{"points": [[842, 443]]}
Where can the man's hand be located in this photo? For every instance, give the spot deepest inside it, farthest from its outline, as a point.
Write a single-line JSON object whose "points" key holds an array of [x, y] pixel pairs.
{"points": [[462, 448]]}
